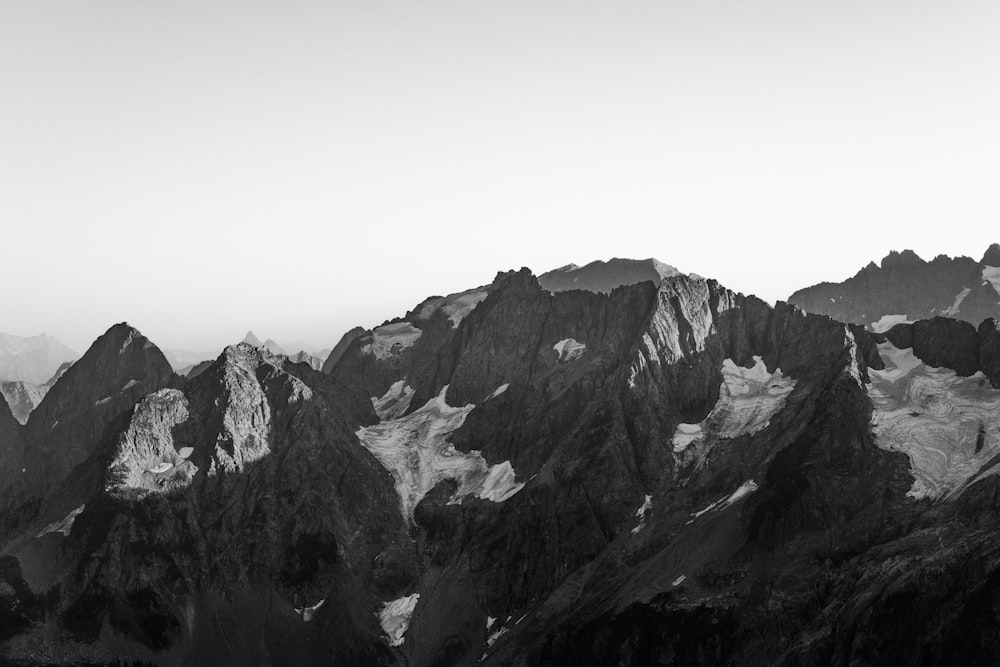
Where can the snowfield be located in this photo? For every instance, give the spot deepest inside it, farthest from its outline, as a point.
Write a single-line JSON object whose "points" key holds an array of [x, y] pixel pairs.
{"points": [[948, 426], [415, 449], [748, 399]]}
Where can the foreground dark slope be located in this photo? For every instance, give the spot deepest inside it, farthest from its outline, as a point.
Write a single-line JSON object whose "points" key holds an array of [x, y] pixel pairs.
{"points": [[674, 474]]}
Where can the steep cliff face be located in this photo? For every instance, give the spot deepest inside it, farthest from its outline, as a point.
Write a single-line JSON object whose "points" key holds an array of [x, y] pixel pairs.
{"points": [[907, 288]]}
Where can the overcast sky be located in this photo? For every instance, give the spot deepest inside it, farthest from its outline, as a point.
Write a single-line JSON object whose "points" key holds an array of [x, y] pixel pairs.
{"points": [[203, 168]]}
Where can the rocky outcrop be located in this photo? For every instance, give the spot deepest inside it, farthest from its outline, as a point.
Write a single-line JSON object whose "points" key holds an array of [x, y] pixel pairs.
{"points": [[603, 277], [905, 287]]}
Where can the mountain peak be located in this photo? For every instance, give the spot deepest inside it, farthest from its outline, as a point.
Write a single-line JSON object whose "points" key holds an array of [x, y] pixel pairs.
{"points": [[992, 255], [601, 276], [905, 258], [251, 339]]}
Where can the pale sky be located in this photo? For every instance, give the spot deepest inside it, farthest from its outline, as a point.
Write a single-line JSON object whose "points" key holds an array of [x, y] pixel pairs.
{"points": [[201, 168]]}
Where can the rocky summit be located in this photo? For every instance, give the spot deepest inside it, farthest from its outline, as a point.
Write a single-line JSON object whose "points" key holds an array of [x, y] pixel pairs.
{"points": [[648, 468]]}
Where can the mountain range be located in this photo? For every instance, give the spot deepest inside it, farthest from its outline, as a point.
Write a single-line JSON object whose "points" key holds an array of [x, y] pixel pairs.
{"points": [[647, 468]]}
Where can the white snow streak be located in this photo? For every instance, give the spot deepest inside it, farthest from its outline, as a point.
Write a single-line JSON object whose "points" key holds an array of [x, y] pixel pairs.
{"points": [[499, 390], [744, 490], [64, 526], [959, 298]]}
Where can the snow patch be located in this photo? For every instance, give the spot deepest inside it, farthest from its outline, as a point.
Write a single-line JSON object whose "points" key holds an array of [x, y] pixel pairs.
{"points": [[161, 467], [455, 306], [101, 402], [959, 298], [569, 349], [647, 504], [391, 339], [679, 580], [948, 425], [500, 484], [460, 305], [395, 617], [991, 274], [130, 384], [307, 613], [499, 390], [394, 402], [415, 449], [887, 322], [185, 452], [748, 399], [64, 526]]}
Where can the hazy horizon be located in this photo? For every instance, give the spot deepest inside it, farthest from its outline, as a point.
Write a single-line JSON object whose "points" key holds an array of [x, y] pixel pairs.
{"points": [[201, 169]]}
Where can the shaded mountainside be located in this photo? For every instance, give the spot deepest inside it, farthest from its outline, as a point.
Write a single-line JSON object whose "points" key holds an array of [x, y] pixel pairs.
{"points": [[904, 287], [664, 473]]}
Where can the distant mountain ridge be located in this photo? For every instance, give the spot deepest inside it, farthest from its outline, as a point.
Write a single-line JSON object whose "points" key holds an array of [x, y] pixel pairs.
{"points": [[905, 287], [33, 359], [22, 397], [603, 277]]}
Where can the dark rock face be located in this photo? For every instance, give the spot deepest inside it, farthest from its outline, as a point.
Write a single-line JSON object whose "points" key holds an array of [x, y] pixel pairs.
{"points": [[605, 276], [906, 285], [943, 342], [659, 474]]}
